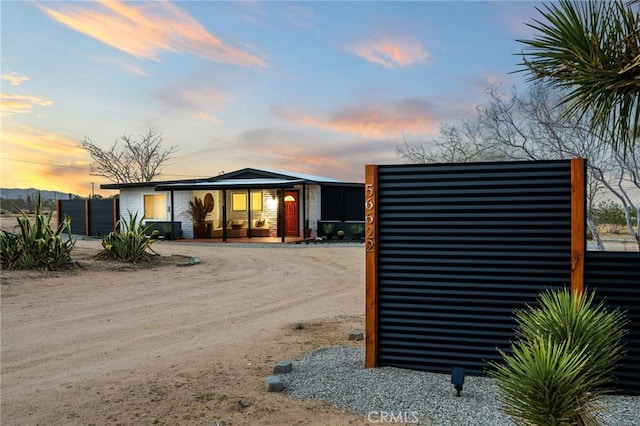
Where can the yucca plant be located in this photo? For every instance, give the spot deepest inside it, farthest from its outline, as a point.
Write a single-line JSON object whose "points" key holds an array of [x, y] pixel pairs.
{"points": [[591, 50], [541, 383], [130, 243], [576, 319], [36, 245], [561, 362]]}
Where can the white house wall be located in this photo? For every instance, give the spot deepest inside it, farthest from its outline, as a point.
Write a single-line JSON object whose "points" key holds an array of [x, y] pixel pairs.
{"points": [[181, 211], [132, 199]]}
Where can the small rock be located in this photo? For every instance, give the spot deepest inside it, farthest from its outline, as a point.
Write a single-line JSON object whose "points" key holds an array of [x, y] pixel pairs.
{"points": [[190, 262], [274, 384], [356, 335], [282, 367]]}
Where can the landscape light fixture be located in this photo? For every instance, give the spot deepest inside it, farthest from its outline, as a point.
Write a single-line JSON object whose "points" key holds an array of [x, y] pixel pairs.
{"points": [[457, 378]]}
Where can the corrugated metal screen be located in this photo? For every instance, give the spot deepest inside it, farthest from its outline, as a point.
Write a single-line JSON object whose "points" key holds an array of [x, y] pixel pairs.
{"points": [[76, 210], [615, 278], [101, 216], [459, 247]]}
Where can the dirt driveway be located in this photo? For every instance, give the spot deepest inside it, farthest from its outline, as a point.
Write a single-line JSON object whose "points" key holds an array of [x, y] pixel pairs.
{"points": [[174, 345]]}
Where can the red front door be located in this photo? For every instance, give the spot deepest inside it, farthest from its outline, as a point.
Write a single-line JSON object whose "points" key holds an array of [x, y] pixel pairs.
{"points": [[291, 213]]}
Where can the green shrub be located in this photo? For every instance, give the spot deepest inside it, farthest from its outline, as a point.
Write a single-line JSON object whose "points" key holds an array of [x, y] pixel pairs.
{"points": [[36, 246], [561, 361], [327, 228], [130, 243], [357, 229], [611, 213]]}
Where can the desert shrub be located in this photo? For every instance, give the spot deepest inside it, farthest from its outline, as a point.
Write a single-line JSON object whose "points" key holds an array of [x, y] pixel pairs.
{"points": [[36, 245], [561, 362], [610, 217], [357, 229], [130, 243]]}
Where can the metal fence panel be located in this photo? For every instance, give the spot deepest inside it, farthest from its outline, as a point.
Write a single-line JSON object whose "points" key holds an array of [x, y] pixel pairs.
{"points": [[615, 276], [460, 247]]}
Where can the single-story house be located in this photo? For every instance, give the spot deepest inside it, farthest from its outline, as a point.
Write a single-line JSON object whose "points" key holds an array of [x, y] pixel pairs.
{"points": [[247, 203]]}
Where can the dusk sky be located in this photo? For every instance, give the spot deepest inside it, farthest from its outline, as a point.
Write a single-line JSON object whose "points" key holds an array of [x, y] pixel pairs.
{"points": [[315, 87]]}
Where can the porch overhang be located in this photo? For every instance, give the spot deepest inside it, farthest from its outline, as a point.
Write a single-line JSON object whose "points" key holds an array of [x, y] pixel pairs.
{"points": [[265, 183]]}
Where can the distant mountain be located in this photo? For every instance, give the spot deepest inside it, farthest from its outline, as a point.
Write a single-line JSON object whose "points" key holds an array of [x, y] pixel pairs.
{"points": [[16, 193]]}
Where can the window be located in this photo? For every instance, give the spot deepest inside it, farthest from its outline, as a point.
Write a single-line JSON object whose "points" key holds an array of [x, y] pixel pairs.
{"points": [[154, 206], [256, 200], [239, 201]]}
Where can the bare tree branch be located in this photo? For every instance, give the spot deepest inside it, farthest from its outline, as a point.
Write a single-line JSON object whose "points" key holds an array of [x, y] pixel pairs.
{"points": [[534, 127], [137, 160]]}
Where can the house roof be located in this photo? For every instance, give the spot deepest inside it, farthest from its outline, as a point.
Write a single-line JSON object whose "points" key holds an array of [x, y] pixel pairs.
{"points": [[232, 183], [239, 179]]}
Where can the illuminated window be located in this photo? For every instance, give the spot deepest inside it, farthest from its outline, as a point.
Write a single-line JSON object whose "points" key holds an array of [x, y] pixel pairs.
{"points": [[256, 200], [154, 206], [239, 201]]}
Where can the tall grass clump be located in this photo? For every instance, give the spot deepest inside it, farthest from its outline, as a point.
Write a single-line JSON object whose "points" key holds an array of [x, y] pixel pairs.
{"points": [[36, 245], [561, 362], [130, 243]]}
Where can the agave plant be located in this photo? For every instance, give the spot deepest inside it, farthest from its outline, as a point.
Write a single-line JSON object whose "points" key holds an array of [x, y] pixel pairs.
{"points": [[357, 229], [561, 361], [130, 243], [36, 245]]}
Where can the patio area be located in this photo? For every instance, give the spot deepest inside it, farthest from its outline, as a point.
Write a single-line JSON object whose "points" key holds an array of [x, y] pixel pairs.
{"points": [[246, 240]]}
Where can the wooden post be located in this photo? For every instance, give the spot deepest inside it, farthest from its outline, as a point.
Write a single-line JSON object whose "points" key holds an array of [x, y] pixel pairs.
{"points": [[87, 218], [578, 216], [371, 265]]}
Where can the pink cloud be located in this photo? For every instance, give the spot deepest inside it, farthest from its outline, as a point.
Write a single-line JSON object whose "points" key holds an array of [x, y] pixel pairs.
{"points": [[390, 52], [372, 121], [147, 29]]}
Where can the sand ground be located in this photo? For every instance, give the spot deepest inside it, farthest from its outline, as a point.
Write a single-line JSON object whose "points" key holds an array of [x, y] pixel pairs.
{"points": [[160, 344], [111, 344]]}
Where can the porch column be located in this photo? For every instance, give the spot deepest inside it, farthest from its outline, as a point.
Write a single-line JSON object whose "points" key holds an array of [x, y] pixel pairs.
{"points": [[172, 216], [224, 215], [305, 220], [249, 213], [281, 213]]}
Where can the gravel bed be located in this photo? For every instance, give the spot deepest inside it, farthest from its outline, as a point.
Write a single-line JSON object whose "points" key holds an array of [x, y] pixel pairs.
{"points": [[336, 375]]}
